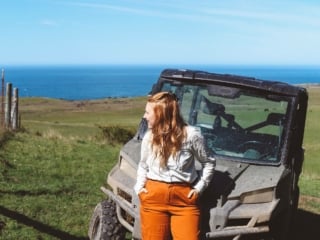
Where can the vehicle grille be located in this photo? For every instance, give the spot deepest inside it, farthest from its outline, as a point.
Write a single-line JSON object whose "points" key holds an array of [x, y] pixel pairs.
{"points": [[238, 222], [124, 195], [128, 198]]}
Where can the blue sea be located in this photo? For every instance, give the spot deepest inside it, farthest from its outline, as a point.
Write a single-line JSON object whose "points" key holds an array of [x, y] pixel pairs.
{"points": [[83, 82]]}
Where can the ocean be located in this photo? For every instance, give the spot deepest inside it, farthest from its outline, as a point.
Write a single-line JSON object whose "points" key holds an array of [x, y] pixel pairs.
{"points": [[84, 82]]}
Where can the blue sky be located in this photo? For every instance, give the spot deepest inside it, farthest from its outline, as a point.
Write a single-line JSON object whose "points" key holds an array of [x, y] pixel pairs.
{"points": [[276, 32]]}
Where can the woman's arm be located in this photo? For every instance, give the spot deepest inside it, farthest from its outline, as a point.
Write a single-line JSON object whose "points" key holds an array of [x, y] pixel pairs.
{"points": [[203, 156], [142, 166]]}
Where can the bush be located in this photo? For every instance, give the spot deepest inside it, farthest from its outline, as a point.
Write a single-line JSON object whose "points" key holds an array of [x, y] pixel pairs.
{"points": [[5, 136], [117, 134]]}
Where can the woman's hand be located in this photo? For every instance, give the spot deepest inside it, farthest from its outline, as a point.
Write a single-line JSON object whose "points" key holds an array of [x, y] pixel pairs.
{"points": [[192, 191], [143, 190]]}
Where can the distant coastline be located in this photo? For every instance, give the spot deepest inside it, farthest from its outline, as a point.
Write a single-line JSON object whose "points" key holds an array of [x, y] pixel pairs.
{"points": [[308, 85]]}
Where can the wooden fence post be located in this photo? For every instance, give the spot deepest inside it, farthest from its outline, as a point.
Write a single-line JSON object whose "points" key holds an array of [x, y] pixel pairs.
{"points": [[8, 106], [2, 98], [15, 108]]}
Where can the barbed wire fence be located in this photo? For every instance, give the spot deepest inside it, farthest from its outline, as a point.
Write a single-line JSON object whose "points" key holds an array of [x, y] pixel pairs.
{"points": [[10, 117]]}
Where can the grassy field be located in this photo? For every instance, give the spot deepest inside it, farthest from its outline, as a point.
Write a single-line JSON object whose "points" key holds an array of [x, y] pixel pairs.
{"points": [[51, 170], [310, 178]]}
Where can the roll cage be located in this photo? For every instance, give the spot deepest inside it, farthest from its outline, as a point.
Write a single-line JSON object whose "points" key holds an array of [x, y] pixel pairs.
{"points": [[238, 122]]}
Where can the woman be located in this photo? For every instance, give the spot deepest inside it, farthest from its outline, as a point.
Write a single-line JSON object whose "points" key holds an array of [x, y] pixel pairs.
{"points": [[168, 184]]}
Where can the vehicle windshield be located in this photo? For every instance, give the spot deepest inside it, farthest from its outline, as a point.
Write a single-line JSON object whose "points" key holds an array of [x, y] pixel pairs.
{"points": [[237, 124]]}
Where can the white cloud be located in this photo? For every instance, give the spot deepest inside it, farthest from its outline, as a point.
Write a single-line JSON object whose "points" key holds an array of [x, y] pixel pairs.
{"points": [[48, 22]]}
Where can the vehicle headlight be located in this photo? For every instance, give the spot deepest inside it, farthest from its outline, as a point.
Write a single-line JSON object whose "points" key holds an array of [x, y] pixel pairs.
{"points": [[258, 196], [125, 166]]}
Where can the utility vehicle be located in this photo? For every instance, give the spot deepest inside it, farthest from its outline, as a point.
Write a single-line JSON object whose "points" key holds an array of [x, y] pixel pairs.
{"points": [[254, 128]]}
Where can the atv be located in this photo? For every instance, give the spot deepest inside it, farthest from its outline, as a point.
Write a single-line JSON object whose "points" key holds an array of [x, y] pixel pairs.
{"points": [[254, 128]]}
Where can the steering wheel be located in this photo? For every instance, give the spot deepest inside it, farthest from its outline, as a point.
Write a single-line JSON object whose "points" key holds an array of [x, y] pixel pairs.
{"points": [[210, 139], [256, 150], [253, 144]]}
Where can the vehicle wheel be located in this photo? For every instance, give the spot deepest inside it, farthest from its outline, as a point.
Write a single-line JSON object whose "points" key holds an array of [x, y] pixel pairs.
{"points": [[104, 224]]}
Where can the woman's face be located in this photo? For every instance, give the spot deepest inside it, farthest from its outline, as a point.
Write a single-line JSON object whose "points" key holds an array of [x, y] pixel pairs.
{"points": [[149, 114]]}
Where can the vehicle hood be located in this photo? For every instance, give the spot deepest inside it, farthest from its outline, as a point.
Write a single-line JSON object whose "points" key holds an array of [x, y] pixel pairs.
{"points": [[230, 178], [234, 178]]}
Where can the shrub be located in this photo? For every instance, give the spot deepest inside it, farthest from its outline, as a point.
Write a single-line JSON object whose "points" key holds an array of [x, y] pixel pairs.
{"points": [[117, 134]]}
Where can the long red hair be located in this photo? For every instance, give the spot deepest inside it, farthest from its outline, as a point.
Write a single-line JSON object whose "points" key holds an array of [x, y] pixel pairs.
{"points": [[169, 127]]}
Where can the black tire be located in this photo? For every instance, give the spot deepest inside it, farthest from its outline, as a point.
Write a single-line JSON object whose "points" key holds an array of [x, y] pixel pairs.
{"points": [[104, 224]]}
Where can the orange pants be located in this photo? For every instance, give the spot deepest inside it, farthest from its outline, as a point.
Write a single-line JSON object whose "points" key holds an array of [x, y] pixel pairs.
{"points": [[167, 213]]}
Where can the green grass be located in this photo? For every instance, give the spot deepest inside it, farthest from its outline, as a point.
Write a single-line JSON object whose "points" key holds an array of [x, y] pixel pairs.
{"points": [[51, 171], [310, 178], [80, 118], [54, 181]]}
